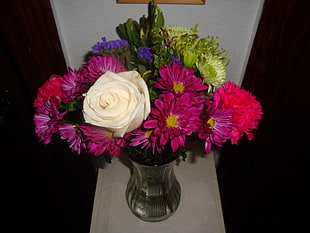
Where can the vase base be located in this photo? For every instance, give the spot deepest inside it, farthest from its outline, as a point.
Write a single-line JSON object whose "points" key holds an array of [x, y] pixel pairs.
{"points": [[155, 209], [157, 219]]}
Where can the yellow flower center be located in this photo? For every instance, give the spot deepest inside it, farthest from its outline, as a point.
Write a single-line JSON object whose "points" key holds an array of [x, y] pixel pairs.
{"points": [[108, 134], [211, 123], [178, 87], [172, 121], [148, 133]]}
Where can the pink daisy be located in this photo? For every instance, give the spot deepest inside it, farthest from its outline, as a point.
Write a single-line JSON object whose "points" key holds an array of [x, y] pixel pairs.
{"points": [[47, 119], [179, 80], [247, 111], [146, 139], [173, 119], [98, 65], [73, 136], [100, 141], [216, 125], [73, 84]]}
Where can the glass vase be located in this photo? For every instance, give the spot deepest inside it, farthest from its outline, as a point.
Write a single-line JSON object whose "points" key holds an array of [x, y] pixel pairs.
{"points": [[153, 192]]}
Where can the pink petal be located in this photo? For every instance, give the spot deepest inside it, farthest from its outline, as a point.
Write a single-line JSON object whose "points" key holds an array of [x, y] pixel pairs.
{"points": [[174, 144], [150, 124]]}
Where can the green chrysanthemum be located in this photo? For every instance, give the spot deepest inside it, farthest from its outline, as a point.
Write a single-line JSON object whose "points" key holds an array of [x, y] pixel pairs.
{"points": [[177, 31], [201, 54], [212, 70], [190, 57]]}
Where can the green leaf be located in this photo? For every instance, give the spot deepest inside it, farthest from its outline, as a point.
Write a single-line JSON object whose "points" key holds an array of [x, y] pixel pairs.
{"points": [[133, 29], [143, 38], [159, 19], [121, 31], [156, 16], [72, 106]]}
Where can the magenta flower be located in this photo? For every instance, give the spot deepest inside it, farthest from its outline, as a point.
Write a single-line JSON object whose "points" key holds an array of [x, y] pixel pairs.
{"points": [[51, 87], [179, 80], [216, 125], [98, 65], [73, 84], [73, 136], [173, 119], [100, 141], [47, 119], [247, 111], [146, 139]]}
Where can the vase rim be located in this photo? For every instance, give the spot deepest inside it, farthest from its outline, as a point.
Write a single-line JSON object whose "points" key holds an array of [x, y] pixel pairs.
{"points": [[155, 165]]}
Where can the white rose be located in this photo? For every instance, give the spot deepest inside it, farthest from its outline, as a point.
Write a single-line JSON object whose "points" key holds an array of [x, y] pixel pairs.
{"points": [[118, 102]]}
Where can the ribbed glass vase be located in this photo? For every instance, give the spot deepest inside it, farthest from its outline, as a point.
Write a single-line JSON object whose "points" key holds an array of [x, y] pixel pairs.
{"points": [[153, 192]]}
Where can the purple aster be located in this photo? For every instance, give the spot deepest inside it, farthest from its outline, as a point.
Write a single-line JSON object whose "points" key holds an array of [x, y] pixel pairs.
{"points": [[96, 48], [100, 141], [47, 119], [108, 45], [73, 84], [98, 65], [145, 52], [113, 44], [216, 125], [175, 59], [73, 136]]}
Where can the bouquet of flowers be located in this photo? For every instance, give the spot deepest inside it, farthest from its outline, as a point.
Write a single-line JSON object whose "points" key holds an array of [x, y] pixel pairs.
{"points": [[148, 92]]}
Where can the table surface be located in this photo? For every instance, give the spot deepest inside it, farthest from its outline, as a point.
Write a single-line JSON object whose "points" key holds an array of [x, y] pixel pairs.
{"points": [[199, 210]]}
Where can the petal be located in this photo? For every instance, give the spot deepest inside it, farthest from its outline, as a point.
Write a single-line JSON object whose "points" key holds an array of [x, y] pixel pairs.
{"points": [[208, 145], [174, 144], [150, 124], [181, 140], [162, 140], [159, 104]]}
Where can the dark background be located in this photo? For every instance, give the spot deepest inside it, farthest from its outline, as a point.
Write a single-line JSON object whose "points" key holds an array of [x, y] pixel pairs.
{"points": [[45, 188], [262, 182]]}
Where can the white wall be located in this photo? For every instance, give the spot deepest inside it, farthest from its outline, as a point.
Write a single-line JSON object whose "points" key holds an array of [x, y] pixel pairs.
{"points": [[82, 23]]}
